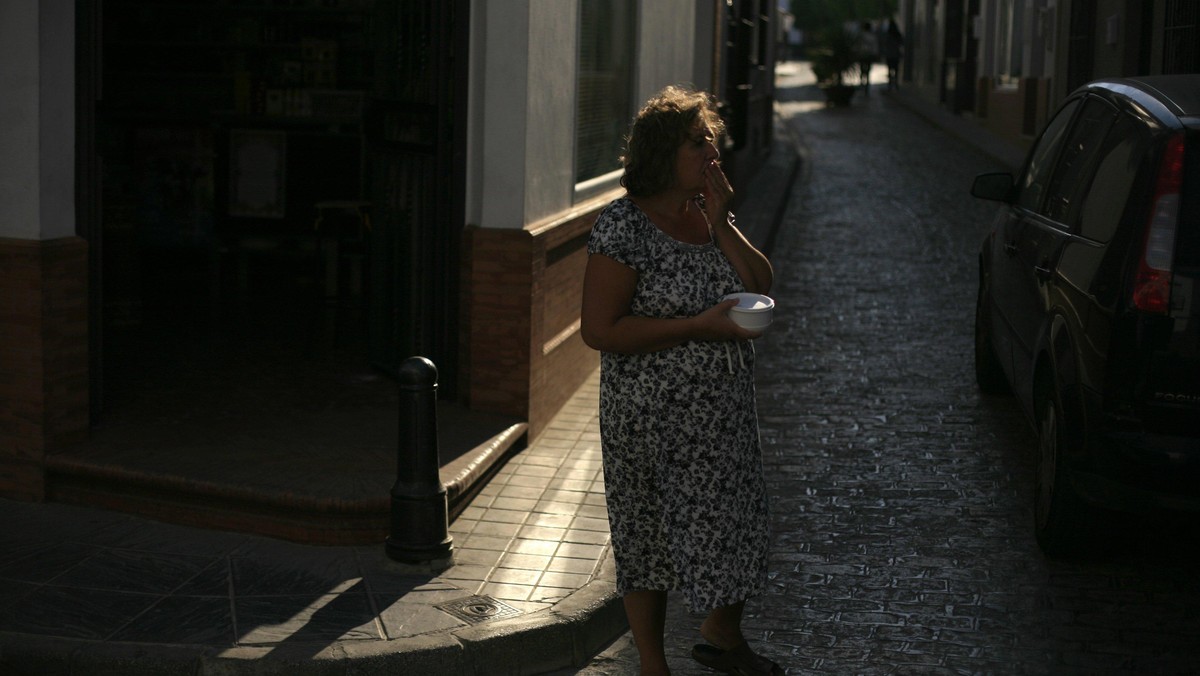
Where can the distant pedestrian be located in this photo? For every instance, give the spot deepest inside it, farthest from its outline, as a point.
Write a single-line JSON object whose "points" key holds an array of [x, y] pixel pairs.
{"points": [[683, 476], [868, 53], [893, 49]]}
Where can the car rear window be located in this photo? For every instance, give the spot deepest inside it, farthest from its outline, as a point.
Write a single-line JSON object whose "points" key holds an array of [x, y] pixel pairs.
{"points": [[1117, 162], [1076, 164]]}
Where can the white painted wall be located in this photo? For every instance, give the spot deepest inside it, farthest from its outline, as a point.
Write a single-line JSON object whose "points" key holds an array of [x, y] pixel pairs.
{"points": [[501, 38], [37, 119], [704, 44], [667, 31], [521, 133], [18, 119], [1112, 26]]}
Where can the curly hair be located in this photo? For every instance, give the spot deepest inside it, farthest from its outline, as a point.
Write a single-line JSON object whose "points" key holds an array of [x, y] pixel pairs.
{"points": [[659, 129]]}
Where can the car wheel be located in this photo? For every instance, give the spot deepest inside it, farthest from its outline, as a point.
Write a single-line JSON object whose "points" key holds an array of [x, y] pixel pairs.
{"points": [[1063, 523], [989, 374]]}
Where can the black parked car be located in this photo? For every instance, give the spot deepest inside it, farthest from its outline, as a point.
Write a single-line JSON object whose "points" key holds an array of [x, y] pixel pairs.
{"points": [[1088, 309]]}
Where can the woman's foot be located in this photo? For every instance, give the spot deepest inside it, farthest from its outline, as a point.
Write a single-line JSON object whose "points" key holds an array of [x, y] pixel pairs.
{"points": [[729, 652], [723, 627], [740, 660], [724, 639]]}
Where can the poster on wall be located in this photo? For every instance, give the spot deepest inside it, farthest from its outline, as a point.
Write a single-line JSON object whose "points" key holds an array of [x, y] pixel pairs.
{"points": [[257, 173]]}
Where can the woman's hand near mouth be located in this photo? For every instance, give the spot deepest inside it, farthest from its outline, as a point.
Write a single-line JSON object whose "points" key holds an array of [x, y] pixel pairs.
{"points": [[717, 193]]}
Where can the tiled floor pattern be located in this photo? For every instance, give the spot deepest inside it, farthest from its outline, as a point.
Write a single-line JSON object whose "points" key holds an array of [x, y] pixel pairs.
{"points": [[537, 532]]}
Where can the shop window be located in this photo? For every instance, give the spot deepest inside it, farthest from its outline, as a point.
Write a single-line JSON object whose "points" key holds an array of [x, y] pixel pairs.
{"points": [[604, 98]]}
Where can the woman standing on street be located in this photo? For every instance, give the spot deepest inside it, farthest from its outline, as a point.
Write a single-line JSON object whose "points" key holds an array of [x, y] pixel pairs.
{"points": [[679, 428]]}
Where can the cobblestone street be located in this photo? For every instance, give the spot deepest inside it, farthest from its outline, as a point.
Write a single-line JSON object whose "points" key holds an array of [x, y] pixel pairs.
{"points": [[902, 498]]}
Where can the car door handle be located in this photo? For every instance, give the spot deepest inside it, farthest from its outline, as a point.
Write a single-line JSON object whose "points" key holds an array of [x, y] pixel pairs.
{"points": [[1043, 272], [1010, 248]]}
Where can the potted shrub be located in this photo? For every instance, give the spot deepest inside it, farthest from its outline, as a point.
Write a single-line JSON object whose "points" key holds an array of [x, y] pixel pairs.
{"points": [[833, 58]]}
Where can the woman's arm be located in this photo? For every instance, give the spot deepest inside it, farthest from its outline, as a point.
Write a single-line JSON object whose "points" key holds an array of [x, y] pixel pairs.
{"points": [[751, 265], [608, 326]]}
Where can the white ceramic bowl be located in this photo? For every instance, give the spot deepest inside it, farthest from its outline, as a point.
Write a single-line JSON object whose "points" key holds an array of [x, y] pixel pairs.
{"points": [[754, 311]]}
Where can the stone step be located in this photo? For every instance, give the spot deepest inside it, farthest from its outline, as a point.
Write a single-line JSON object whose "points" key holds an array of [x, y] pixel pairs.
{"points": [[299, 515]]}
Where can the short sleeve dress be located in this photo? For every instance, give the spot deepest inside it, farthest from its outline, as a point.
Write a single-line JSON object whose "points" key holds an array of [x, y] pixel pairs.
{"points": [[679, 430]]}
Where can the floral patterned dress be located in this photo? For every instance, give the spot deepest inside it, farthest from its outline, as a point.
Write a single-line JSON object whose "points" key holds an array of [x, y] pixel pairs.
{"points": [[682, 463]]}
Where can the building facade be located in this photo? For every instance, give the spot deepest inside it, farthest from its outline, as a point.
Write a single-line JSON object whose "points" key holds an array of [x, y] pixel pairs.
{"points": [[432, 170], [1008, 63]]}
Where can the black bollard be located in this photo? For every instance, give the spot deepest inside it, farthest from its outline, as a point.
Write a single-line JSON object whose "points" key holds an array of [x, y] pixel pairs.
{"points": [[420, 523]]}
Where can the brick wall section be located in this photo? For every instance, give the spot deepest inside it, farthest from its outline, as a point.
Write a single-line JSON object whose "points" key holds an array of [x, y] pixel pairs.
{"points": [[497, 310], [521, 307], [43, 357], [561, 359]]}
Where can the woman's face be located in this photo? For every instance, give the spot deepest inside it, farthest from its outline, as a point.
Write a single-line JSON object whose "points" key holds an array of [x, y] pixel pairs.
{"points": [[693, 158]]}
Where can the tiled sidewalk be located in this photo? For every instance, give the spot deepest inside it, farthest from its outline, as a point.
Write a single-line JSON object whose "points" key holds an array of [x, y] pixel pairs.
{"points": [[539, 529], [84, 591]]}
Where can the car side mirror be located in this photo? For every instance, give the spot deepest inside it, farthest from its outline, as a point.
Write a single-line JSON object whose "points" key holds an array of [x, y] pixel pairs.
{"points": [[997, 186]]}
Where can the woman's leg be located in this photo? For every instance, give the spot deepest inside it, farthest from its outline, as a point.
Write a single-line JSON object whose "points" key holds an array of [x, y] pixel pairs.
{"points": [[647, 614], [723, 626], [723, 629]]}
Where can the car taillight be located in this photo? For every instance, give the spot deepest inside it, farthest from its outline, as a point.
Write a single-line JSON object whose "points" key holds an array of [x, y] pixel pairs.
{"points": [[1152, 286]]}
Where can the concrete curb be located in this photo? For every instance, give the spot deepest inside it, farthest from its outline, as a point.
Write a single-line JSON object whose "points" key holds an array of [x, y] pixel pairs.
{"points": [[564, 635]]}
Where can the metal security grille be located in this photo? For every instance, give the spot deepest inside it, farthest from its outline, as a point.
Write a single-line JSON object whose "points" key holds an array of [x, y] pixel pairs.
{"points": [[1181, 37], [415, 127]]}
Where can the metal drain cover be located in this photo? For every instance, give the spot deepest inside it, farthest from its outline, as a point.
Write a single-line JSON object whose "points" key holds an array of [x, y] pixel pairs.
{"points": [[476, 609]]}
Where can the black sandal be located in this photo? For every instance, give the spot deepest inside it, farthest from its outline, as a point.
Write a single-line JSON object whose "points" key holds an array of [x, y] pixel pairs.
{"points": [[739, 661]]}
